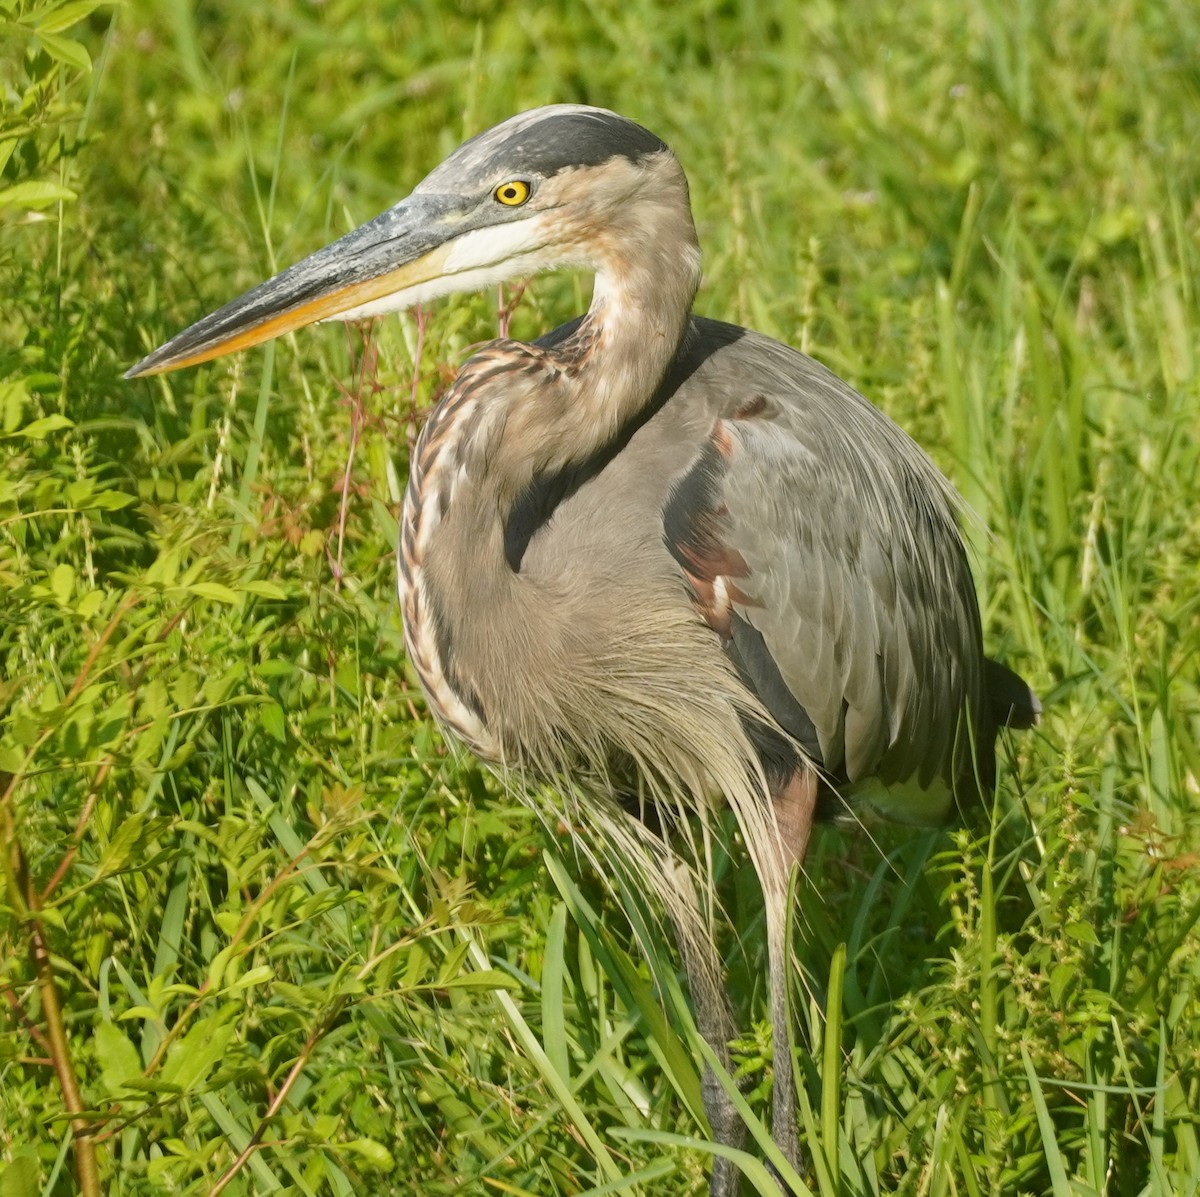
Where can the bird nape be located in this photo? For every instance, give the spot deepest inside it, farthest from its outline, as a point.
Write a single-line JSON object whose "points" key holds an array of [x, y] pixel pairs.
{"points": [[664, 562]]}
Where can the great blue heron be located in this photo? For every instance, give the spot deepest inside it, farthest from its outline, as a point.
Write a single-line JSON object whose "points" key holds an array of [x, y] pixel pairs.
{"points": [[661, 557]]}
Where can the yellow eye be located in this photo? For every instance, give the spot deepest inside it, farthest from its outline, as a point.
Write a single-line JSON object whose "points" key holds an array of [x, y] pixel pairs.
{"points": [[513, 193]]}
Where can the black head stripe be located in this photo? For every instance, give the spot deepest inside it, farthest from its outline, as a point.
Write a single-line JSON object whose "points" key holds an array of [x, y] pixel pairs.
{"points": [[590, 139], [562, 140]]}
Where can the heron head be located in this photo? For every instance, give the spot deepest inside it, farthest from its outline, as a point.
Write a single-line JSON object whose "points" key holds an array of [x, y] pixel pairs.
{"points": [[547, 188]]}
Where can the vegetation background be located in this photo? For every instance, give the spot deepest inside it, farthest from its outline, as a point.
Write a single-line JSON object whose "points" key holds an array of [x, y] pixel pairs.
{"points": [[258, 931]]}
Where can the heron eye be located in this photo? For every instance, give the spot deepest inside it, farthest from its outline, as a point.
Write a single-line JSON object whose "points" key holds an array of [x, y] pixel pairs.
{"points": [[513, 193]]}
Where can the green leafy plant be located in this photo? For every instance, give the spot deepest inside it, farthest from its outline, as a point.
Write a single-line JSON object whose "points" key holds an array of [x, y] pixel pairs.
{"points": [[260, 930]]}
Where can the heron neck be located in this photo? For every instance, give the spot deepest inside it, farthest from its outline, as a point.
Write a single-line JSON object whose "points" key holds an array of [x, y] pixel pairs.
{"points": [[604, 377], [634, 327]]}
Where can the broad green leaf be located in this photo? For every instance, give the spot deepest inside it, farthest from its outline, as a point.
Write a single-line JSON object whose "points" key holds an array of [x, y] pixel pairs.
{"points": [[153, 699], [39, 429], [216, 591], [14, 396], [119, 1059], [260, 975], [1084, 933], [65, 50], [220, 962], [21, 1176], [110, 500], [374, 1154], [35, 194], [271, 715], [264, 589], [275, 668], [62, 583], [63, 16], [89, 603], [25, 729], [79, 491], [120, 848], [191, 1058]]}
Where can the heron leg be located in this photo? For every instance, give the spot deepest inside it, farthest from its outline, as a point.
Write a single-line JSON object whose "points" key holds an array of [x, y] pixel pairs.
{"points": [[714, 1019], [795, 805], [795, 808]]}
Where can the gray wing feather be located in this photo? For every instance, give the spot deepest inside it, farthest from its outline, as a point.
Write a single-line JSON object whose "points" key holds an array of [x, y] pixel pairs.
{"points": [[858, 582]]}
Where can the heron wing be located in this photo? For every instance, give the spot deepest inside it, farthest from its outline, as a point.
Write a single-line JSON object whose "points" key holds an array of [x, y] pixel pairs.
{"points": [[822, 545]]}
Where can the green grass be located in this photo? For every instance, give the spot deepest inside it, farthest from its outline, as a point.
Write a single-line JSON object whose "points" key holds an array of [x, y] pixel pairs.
{"points": [[298, 946]]}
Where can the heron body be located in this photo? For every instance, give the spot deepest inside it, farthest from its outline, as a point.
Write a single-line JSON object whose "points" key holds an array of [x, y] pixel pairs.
{"points": [[653, 554]]}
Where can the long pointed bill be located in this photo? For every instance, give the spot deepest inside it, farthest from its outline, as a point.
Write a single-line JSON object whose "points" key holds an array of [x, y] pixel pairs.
{"points": [[398, 252]]}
